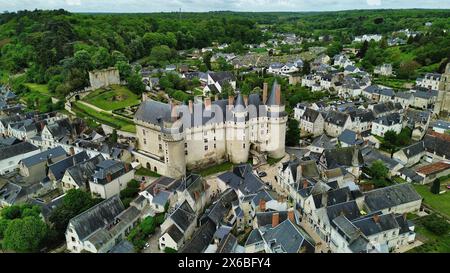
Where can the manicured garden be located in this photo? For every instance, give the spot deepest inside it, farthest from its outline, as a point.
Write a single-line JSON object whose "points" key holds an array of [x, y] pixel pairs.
{"points": [[105, 118], [113, 98], [146, 172]]}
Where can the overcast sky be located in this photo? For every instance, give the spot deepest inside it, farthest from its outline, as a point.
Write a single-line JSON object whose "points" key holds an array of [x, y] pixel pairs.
{"points": [[214, 5]]}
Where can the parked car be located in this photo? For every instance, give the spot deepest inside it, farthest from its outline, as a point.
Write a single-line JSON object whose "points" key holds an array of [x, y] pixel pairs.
{"points": [[262, 174]]}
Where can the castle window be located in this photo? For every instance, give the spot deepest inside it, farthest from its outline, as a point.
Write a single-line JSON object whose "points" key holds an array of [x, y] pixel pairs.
{"points": [[160, 147], [145, 141], [243, 146], [205, 140], [143, 132], [185, 145], [206, 148], [186, 152], [214, 145]]}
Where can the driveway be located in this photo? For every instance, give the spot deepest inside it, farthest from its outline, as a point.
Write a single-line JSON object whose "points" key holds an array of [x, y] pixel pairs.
{"points": [[154, 242]]}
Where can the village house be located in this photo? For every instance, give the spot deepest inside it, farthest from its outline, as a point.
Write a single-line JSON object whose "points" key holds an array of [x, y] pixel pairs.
{"points": [[429, 81], [424, 99], [398, 198], [78, 175], [336, 123], [391, 122], [193, 190], [404, 98], [383, 70], [10, 156], [312, 122], [418, 121], [410, 155], [242, 180], [349, 158], [437, 146], [100, 228], [109, 178], [57, 170], [433, 171], [178, 227], [441, 126], [33, 168]]}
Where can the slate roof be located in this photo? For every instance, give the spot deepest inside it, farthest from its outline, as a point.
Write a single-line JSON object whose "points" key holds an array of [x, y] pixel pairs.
{"points": [[333, 197], [227, 244], [97, 217], [411, 174], [348, 209], [123, 246], [254, 237], [391, 196], [10, 192], [222, 207], [369, 226], [371, 155], [59, 168], [414, 149], [323, 142], [83, 171], [442, 124], [243, 179], [183, 216], [193, 184], [336, 118], [265, 218], [272, 97], [310, 115], [437, 143], [43, 156], [16, 149], [386, 107], [343, 157], [200, 239], [390, 119], [222, 76], [345, 226], [175, 233], [348, 136], [288, 238]]}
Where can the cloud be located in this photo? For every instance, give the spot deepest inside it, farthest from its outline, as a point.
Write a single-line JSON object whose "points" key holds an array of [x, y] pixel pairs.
{"points": [[374, 2]]}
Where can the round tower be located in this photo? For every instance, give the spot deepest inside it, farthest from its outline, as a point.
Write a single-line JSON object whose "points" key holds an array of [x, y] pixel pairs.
{"points": [[238, 142], [276, 123], [174, 154]]}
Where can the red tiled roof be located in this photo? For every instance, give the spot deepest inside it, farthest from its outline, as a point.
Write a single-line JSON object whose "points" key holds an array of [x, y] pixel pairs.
{"points": [[434, 168]]}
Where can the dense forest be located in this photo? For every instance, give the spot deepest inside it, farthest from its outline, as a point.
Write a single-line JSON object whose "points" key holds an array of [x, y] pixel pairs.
{"points": [[58, 48]]}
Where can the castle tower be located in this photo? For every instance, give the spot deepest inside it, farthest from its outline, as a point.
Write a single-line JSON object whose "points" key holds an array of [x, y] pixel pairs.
{"points": [[442, 106], [277, 119], [238, 143], [174, 155]]}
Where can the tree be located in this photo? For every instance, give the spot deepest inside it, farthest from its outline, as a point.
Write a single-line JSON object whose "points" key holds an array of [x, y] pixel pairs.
{"points": [[363, 50], [135, 84], [306, 68], [25, 235], [378, 170], [436, 186], [407, 69], [74, 202], [436, 224], [207, 59], [293, 133], [124, 69], [160, 53]]}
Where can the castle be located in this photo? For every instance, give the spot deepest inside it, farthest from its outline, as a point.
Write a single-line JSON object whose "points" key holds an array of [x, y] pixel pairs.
{"points": [[442, 106], [104, 77], [172, 138]]}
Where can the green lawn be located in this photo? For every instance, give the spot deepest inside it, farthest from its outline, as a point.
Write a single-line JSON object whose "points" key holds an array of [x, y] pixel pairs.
{"points": [[439, 202], [146, 172], [433, 243], [226, 166], [38, 88], [393, 83], [116, 97], [116, 122]]}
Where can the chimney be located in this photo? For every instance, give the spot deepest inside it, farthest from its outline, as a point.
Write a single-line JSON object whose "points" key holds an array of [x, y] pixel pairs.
{"points": [[216, 97], [173, 114], [72, 151], [207, 102], [278, 94], [262, 205], [191, 106], [275, 219], [127, 167], [265, 89], [230, 100], [245, 100], [155, 190], [142, 186], [305, 184], [376, 218], [291, 215], [108, 177]]}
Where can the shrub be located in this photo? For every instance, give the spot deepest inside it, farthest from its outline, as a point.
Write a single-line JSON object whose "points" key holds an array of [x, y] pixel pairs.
{"points": [[169, 250], [436, 224]]}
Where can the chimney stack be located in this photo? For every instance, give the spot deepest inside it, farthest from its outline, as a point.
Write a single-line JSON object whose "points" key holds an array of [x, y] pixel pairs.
{"points": [[142, 186], [278, 94], [207, 102], [127, 167], [291, 215], [265, 89], [72, 151], [230, 100], [173, 114], [245, 100], [262, 204], [305, 184], [376, 218], [191, 106], [108, 177], [275, 219]]}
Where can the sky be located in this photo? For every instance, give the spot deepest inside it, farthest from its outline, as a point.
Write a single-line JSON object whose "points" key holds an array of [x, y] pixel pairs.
{"points": [[216, 5]]}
